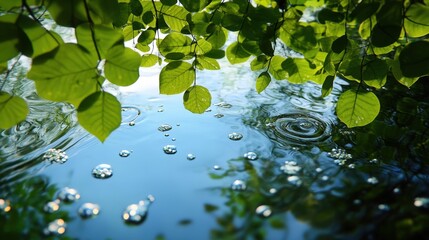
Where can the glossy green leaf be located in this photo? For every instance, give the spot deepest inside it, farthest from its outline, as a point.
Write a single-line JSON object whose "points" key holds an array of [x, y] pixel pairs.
{"points": [[232, 22], [176, 77], [414, 59], [259, 62], [197, 99], [389, 25], [236, 53], [276, 67], [416, 22], [42, 40], [175, 17], [328, 85], [208, 63], [169, 2], [373, 72], [202, 47], [194, 5], [397, 73], [100, 114], [262, 81], [98, 38], [147, 36], [357, 108], [68, 73], [10, 4], [299, 70], [149, 60], [175, 43], [123, 13], [122, 66], [10, 37], [103, 11], [13, 110], [136, 7], [129, 33]]}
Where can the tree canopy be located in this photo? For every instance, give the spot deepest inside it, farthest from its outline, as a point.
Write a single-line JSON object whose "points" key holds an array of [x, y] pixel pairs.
{"points": [[366, 42]]}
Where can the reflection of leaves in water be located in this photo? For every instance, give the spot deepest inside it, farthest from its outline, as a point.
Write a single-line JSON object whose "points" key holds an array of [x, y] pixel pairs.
{"points": [[26, 220]]}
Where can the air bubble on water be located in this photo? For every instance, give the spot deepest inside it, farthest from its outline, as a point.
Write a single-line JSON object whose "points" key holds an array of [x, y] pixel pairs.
{"points": [[374, 161], [223, 105], [383, 207], [251, 156], [290, 167], [421, 202], [319, 170], [5, 205], [56, 227], [325, 178], [52, 206], [340, 156], [208, 110], [165, 127], [160, 109], [136, 213], [166, 135], [263, 211], [68, 195], [55, 156], [351, 166], [124, 153], [218, 115], [294, 180], [132, 123], [170, 149], [217, 167], [235, 136], [190, 156], [178, 124], [102, 171], [88, 210], [357, 202], [273, 190], [372, 180], [397, 190], [173, 139], [238, 185]]}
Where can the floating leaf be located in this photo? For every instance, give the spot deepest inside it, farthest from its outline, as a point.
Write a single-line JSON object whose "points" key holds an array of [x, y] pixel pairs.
{"points": [[357, 108], [122, 66], [414, 59], [197, 99], [262, 81], [176, 77], [100, 114], [13, 110]]}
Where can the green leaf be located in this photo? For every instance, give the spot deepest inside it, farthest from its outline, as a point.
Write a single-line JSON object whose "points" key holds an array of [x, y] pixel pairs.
{"points": [[123, 13], [389, 25], [105, 38], [262, 81], [328, 85], [299, 70], [194, 5], [175, 43], [217, 38], [13, 110], [397, 73], [176, 77], [129, 33], [415, 22], [100, 114], [340, 44], [414, 59], [276, 67], [136, 7], [208, 63], [236, 53], [122, 66], [149, 60], [203, 47], [67, 13], [197, 99], [175, 17], [232, 22], [66, 74], [357, 108], [364, 11], [259, 62], [327, 14], [147, 36], [3, 67], [42, 40], [169, 2], [10, 37]]}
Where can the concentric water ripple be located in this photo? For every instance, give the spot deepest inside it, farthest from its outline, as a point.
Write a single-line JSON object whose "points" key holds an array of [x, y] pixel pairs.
{"points": [[130, 114], [300, 128]]}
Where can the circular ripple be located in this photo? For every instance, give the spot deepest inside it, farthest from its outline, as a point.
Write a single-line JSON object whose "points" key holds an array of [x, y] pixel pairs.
{"points": [[301, 128]]}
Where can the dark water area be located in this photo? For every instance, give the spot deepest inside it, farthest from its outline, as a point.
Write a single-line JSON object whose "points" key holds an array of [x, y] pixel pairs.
{"points": [[276, 165]]}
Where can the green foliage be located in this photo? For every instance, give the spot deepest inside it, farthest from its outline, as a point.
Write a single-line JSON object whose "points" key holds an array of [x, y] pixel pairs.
{"points": [[13, 110], [368, 42]]}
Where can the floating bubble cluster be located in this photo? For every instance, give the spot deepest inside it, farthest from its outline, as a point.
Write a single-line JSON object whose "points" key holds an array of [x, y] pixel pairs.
{"points": [[340, 156], [88, 210], [68, 195], [251, 156], [294, 180], [372, 180], [235, 136], [136, 213], [52, 206], [5, 205], [217, 167], [56, 227], [190, 156], [301, 128], [55, 156], [124, 153], [218, 115], [263, 211], [170, 149], [238, 185], [290, 167], [165, 127], [102, 171]]}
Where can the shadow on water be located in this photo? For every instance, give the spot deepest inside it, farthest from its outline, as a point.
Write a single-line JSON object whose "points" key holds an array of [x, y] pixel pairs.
{"points": [[288, 170]]}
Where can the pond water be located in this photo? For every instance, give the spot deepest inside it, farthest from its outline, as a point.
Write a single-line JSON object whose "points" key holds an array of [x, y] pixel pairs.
{"points": [[275, 165]]}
